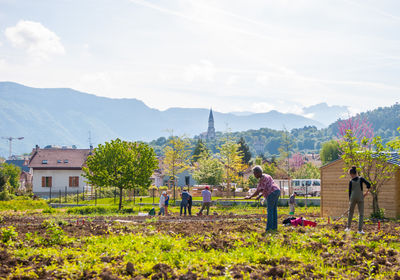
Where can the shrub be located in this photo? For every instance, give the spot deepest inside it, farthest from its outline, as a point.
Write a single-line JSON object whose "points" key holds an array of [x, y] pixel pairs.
{"points": [[282, 203], [5, 196], [300, 203], [8, 234], [379, 215], [54, 234], [89, 210], [127, 210], [49, 211]]}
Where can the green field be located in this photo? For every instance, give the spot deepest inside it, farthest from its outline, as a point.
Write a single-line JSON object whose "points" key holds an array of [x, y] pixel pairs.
{"points": [[38, 243]]}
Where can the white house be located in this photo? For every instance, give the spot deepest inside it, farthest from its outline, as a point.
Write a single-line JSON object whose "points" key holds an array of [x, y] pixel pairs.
{"points": [[58, 169]]}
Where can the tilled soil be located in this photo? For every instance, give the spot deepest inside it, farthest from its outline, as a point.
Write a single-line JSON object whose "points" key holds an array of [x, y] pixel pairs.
{"points": [[342, 253]]}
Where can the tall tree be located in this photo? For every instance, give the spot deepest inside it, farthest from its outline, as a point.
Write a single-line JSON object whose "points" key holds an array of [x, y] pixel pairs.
{"points": [[330, 151], [244, 150], [359, 127], [372, 158], [177, 157], [284, 149], [121, 164], [307, 171], [12, 174], [231, 158], [208, 170], [199, 150]]}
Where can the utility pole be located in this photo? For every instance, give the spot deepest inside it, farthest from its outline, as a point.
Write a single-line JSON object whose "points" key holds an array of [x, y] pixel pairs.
{"points": [[10, 139]]}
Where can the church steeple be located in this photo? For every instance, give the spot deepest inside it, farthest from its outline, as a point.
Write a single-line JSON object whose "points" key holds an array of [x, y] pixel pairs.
{"points": [[211, 129]]}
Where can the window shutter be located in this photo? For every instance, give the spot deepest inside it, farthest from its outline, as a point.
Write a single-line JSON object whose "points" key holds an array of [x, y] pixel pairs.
{"points": [[77, 181], [70, 181], [43, 181]]}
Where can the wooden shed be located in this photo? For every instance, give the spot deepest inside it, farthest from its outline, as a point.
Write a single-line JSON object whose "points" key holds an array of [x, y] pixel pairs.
{"points": [[335, 195]]}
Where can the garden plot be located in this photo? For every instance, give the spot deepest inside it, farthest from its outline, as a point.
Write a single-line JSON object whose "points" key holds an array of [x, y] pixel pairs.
{"points": [[213, 247]]}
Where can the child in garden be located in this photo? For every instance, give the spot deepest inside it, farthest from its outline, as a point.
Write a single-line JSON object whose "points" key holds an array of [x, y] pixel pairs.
{"points": [[162, 204], [356, 196], [292, 203]]}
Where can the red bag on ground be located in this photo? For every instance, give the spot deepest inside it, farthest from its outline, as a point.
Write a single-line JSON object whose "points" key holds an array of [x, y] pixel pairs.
{"points": [[302, 222]]}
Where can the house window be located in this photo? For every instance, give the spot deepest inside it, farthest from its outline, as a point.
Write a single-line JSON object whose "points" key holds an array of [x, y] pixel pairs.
{"points": [[46, 181], [74, 181], [44, 161], [59, 161], [65, 160]]}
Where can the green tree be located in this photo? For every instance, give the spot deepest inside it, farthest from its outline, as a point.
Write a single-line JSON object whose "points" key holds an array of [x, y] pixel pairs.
{"points": [[177, 157], [330, 151], [3, 180], [252, 181], [199, 149], [121, 164], [307, 171], [208, 170], [231, 158], [244, 150], [371, 157], [270, 169], [284, 150], [11, 173]]}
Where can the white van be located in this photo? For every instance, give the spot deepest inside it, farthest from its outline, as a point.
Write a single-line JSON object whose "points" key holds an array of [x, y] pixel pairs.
{"points": [[302, 187]]}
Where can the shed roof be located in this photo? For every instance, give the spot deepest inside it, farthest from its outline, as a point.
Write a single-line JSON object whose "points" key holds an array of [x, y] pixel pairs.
{"points": [[394, 159]]}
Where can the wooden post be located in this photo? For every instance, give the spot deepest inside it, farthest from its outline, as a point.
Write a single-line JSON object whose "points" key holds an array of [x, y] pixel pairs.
{"points": [[77, 197], [65, 194], [59, 196]]}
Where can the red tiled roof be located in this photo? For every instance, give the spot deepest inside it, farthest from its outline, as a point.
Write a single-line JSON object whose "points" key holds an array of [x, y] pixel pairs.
{"points": [[59, 158]]}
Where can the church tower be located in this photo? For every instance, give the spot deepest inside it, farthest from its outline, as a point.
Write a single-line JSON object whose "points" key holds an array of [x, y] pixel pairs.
{"points": [[211, 129]]}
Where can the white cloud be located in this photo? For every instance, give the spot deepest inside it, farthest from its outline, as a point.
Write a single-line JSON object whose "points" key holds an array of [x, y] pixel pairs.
{"points": [[231, 81], [3, 64], [262, 107], [263, 79], [35, 39], [204, 71]]}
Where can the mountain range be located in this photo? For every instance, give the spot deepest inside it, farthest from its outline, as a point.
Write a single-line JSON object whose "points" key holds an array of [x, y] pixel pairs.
{"points": [[62, 116]]}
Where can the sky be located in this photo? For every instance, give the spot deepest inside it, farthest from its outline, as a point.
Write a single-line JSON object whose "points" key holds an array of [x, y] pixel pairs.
{"points": [[253, 55]]}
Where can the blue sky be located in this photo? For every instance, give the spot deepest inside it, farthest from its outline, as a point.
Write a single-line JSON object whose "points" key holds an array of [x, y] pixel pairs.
{"points": [[254, 55]]}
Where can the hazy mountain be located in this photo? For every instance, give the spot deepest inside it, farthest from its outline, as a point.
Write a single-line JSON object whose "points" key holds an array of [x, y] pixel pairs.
{"points": [[326, 114], [64, 116]]}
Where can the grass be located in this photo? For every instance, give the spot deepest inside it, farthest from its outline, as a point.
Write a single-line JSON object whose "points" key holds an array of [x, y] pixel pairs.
{"points": [[59, 248], [21, 205], [294, 254]]}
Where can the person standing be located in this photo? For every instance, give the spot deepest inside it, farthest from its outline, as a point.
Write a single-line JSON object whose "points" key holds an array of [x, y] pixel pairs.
{"points": [[190, 203], [206, 194], [184, 202], [267, 188], [166, 204], [292, 203], [162, 204], [356, 196]]}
